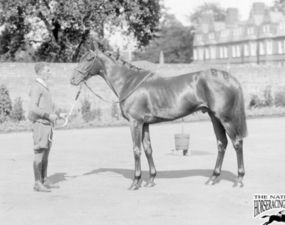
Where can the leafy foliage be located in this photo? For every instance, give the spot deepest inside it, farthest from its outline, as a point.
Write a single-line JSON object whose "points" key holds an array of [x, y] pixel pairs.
{"points": [[62, 29], [89, 114], [219, 13], [5, 104], [279, 5], [279, 99], [175, 41], [15, 29], [86, 112], [18, 113]]}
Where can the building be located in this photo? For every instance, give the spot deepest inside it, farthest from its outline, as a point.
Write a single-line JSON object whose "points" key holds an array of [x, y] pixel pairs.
{"points": [[258, 40]]}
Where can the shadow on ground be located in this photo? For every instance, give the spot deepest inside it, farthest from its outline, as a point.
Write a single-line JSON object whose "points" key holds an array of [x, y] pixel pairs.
{"points": [[171, 174], [59, 177], [174, 152]]}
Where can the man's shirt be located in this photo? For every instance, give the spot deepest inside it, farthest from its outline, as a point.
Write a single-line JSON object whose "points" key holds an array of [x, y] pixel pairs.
{"points": [[41, 104]]}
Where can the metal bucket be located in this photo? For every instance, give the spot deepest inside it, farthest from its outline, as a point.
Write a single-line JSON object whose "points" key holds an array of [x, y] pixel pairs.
{"points": [[182, 141]]}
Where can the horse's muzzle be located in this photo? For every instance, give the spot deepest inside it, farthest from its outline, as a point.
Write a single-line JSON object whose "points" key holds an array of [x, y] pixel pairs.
{"points": [[76, 78]]}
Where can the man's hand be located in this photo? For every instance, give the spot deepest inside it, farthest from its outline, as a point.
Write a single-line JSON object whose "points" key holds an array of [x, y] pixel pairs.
{"points": [[62, 115], [53, 117]]}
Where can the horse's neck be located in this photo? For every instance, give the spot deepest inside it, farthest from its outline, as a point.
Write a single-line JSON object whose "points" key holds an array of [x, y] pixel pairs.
{"points": [[117, 76]]}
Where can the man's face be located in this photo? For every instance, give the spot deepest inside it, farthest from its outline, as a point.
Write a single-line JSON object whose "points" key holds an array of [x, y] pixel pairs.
{"points": [[46, 73]]}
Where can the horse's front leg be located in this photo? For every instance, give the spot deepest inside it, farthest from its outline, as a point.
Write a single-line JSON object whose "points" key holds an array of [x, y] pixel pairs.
{"points": [[136, 130], [148, 152]]}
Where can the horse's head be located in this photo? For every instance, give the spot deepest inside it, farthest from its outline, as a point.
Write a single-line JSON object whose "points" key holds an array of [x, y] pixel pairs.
{"points": [[90, 65]]}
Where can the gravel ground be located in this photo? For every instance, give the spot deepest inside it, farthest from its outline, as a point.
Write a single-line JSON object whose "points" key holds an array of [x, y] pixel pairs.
{"points": [[94, 168]]}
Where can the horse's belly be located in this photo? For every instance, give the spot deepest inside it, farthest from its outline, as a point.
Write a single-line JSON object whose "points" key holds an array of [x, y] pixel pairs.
{"points": [[175, 111]]}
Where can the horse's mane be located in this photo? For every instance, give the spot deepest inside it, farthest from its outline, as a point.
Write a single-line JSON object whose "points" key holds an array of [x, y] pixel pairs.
{"points": [[115, 58]]}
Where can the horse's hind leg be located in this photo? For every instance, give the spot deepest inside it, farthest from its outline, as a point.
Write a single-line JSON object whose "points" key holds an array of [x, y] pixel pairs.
{"points": [[238, 146], [148, 153], [136, 130], [222, 145]]}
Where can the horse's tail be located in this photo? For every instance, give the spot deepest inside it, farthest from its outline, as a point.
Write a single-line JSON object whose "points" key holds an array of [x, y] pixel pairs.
{"points": [[239, 128], [265, 216]]}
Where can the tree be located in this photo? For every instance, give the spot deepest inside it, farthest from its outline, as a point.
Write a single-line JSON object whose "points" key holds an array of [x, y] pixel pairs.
{"points": [[219, 13], [279, 5], [12, 38], [66, 25], [175, 40], [5, 104]]}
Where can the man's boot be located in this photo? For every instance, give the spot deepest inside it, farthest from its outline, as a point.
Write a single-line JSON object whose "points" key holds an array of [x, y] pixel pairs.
{"points": [[48, 184], [40, 187], [38, 177]]}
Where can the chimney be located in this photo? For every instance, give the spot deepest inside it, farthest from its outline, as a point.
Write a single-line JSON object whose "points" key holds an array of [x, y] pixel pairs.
{"points": [[205, 22], [232, 17], [257, 12], [258, 8]]}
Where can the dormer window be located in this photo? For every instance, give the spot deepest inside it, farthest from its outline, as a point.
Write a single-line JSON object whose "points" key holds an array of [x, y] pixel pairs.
{"points": [[225, 33], [211, 36], [266, 28], [282, 26], [199, 37], [237, 31], [250, 30]]}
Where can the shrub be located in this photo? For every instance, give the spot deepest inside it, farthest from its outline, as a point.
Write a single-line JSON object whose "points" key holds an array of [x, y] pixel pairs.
{"points": [[18, 112], [268, 99], [255, 102], [5, 104], [86, 111], [115, 111], [279, 99], [263, 101], [97, 113], [88, 114]]}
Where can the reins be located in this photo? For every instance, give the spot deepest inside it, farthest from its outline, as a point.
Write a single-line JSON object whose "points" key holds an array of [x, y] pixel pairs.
{"points": [[120, 99], [97, 95], [100, 97]]}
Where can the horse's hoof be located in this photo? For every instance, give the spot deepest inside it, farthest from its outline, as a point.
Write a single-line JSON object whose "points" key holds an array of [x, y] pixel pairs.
{"points": [[135, 185], [150, 184], [212, 181], [238, 184]]}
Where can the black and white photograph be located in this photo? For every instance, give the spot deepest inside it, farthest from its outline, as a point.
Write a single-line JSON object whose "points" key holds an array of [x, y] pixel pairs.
{"points": [[142, 112]]}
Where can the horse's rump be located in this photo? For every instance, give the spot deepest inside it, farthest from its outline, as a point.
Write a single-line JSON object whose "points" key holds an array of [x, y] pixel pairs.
{"points": [[225, 99]]}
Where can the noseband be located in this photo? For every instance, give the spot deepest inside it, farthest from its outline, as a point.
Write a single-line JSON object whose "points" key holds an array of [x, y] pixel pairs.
{"points": [[85, 74]]}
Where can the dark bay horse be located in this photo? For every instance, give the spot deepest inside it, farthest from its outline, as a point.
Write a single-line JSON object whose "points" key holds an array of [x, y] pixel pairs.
{"points": [[147, 98]]}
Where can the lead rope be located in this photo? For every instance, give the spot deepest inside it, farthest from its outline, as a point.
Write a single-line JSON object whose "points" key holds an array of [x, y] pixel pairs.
{"points": [[72, 108]]}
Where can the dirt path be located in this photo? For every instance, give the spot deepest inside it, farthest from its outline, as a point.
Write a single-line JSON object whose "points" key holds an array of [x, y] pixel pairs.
{"points": [[94, 169]]}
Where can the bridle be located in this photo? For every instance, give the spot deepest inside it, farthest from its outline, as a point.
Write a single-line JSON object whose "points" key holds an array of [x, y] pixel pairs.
{"points": [[120, 99], [85, 77]]}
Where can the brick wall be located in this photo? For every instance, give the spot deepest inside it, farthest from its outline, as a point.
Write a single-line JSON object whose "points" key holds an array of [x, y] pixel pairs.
{"points": [[18, 78]]}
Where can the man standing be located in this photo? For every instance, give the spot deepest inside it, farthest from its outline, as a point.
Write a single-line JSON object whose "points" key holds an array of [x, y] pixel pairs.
{"points": [[41, 113]]}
